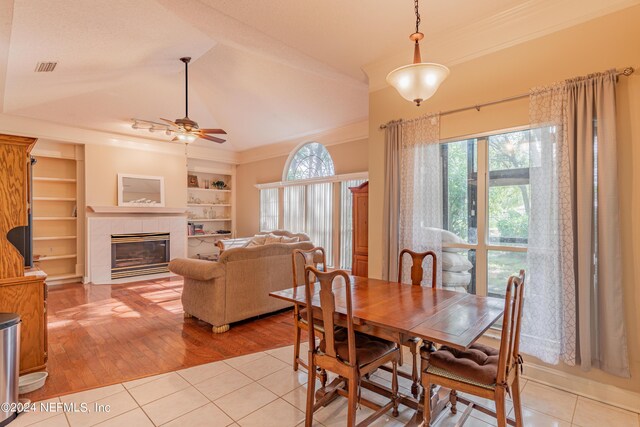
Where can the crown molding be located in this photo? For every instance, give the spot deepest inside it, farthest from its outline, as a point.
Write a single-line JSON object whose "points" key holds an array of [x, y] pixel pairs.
{"points": [[49, 131], [351, 132], [527, 21]]}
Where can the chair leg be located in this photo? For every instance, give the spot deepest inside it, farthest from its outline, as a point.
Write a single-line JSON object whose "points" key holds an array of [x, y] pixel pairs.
{"points": [[501, 410], [394, 388], [296, 344], [353, 399], [323, 377], [453, 398], [517, 403], [426, 384], [311, 392], [415, 378]]}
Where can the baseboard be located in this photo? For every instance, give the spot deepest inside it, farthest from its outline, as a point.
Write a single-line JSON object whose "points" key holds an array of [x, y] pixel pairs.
{"points": [[590, 389]]}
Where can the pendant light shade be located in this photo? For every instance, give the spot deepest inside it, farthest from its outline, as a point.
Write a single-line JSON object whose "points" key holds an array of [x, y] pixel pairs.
{"points": [[419, 81]]}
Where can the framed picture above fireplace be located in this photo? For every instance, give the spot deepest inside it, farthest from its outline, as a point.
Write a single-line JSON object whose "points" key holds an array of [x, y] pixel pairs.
{"points": [[140, 190]]}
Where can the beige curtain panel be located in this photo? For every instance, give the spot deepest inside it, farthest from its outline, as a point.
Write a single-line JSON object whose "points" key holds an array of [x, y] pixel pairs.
{"points": [[591, 137], [574, 305]]}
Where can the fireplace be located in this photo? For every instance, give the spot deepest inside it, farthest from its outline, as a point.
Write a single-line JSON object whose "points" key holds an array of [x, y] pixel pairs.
{"points": [[139, 254]]}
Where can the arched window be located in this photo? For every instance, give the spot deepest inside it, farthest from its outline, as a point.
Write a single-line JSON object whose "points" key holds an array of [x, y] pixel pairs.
{"points": [[312, 160]]}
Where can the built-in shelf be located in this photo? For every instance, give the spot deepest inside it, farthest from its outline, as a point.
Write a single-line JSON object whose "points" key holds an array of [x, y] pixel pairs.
{"points": [[54, 156], [207, 219], [209, 235], [54, 218], [58, 277], [55, 238], [55, 192], [209, 189], [53, 257], [55, 199], [198, 205], [46, 179]]}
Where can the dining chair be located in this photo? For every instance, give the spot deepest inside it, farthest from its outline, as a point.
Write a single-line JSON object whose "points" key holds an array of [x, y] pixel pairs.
{"points": [[349, 354], [482, 370], [417, 275], [301, 259]]}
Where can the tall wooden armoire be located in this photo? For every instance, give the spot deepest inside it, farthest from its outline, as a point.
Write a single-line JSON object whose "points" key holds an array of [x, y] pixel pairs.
{"points": [[360, 265], [20, 292]]}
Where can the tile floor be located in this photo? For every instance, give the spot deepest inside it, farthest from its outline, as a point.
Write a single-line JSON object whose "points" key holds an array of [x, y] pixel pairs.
{"points": [[261, 389]]}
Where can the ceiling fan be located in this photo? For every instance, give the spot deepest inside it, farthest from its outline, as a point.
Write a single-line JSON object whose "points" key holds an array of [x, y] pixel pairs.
{"points": [[184, 130]]}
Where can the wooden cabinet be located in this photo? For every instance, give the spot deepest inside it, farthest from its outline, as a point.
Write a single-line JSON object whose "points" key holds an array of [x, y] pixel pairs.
{"points": [[360, 266], [24, 294]]}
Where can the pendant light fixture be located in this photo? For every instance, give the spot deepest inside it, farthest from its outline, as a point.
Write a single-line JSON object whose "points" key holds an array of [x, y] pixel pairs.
{"points": [[419, 81]]}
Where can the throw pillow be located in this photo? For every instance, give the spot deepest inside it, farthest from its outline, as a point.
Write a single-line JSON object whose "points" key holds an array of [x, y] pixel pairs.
{"points": [[290, 239], [450, 278], [272, 238], [258, 240], [447, 237], [455, 262]]}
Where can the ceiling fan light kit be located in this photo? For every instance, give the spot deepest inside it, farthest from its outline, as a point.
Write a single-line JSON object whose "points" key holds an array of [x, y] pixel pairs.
{"points": [[418, 81], [184, 130]]}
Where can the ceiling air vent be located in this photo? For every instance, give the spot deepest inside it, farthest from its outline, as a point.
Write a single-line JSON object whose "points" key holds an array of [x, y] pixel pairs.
{"points": [[45, 67]]}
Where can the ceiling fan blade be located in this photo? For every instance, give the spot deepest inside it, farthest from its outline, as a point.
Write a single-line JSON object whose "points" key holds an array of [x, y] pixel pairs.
{"points": [[214, 131], [168, 121], [212, 138]]}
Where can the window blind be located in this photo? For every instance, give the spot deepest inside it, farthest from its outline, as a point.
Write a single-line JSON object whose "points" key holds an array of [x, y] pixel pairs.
{"points": [[294, 208], [269, 209], [319, 217]]}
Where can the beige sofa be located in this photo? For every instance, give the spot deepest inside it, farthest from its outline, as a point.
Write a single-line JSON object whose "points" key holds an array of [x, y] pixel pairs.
{"points": [[237, 286]]}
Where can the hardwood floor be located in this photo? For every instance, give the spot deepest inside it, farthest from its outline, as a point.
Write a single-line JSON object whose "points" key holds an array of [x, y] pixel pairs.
{"points": [[106, 334]]}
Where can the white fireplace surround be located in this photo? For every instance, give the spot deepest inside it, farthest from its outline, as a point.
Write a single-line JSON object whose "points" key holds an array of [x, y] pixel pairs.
{"points": [[101, 227]]}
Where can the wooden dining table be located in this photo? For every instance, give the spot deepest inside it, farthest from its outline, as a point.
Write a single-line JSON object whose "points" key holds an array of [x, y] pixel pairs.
{"points": [[392, 310]]}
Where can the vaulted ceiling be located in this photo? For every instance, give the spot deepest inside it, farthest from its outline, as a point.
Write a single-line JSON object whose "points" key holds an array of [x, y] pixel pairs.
{"points": [[266, 71]]}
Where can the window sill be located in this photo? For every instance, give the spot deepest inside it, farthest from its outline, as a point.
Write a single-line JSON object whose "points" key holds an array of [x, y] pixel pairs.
{"points": [[493, 334]]}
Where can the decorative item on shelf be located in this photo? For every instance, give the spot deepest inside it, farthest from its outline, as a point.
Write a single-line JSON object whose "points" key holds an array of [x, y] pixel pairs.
{"points": [[191, 229], [220, 185], [192, 181], [419, 81], [198, 229], [223, 231], [74, 212]]}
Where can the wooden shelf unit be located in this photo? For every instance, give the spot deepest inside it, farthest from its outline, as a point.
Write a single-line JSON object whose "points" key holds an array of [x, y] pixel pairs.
{"points": [[57, 198], [202, 203]]}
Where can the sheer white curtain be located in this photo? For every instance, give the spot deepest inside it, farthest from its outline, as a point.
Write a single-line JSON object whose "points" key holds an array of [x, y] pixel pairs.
{"points": [[319, 217], [421, 192], [549, 315], [268, 209], [294, 208]]}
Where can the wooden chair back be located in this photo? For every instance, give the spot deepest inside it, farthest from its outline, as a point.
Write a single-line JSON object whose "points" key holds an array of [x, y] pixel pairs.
{"points": [[328, 308], [302, 258], [509, 357], [417, 272]]}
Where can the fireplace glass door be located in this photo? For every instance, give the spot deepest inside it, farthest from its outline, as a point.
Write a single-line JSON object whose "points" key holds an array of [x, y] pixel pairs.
{"points": [[139, 254]]}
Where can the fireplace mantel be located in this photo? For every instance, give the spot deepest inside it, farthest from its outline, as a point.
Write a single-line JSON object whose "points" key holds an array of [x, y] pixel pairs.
{"points": [[135, 210]]}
